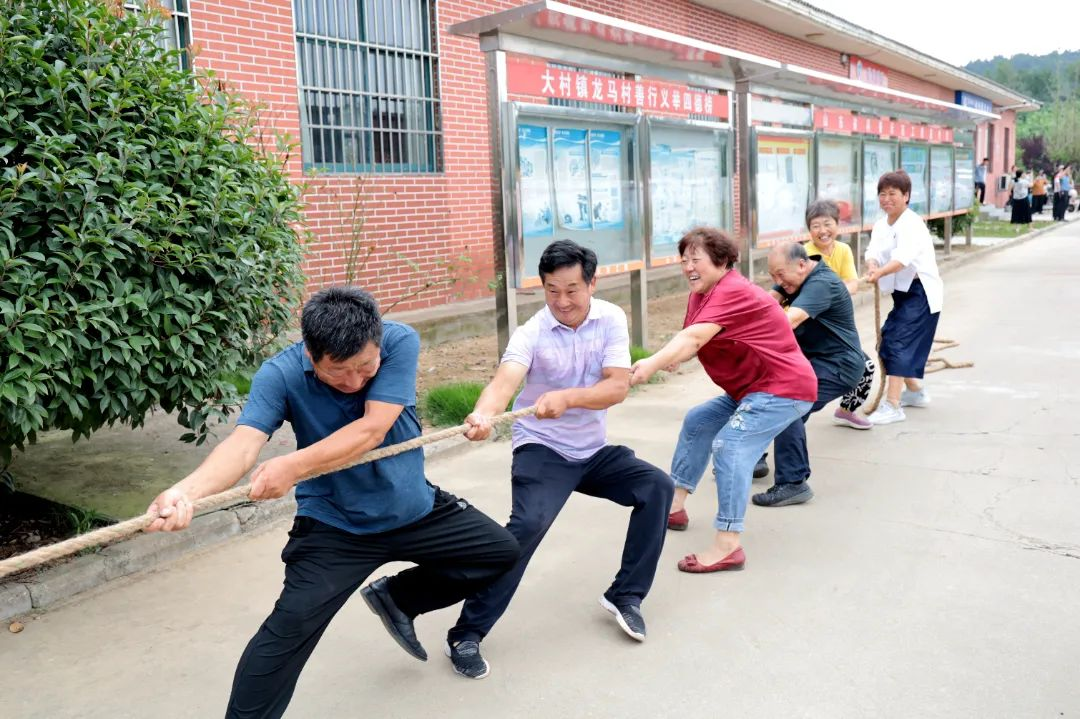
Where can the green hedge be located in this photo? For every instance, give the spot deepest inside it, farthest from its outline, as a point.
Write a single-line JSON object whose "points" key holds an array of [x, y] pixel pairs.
{"points": [[146, 242]]}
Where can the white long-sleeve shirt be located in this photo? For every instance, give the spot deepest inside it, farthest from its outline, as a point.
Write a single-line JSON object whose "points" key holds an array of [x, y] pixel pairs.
{"points": [[907, 241]]}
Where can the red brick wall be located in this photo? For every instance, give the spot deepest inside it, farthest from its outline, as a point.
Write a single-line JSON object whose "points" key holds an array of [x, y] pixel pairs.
{"points": [[422, 219]]}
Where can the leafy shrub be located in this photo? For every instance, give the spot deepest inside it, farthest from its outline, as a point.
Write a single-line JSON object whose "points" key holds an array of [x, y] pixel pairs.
{"points": [[960, 223], [638, 353], [146, 243]]}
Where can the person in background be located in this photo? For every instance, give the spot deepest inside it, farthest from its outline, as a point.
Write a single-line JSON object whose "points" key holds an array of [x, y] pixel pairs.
{"points": [[1038, 193], [1021, 201], [823, 221], [900, 259], [1061, 196], [980, 179]]}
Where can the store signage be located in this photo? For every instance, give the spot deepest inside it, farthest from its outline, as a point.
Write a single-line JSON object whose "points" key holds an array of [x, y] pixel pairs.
{"points": [[539, 79], [868, 72], [845, 122], [975, 102]]}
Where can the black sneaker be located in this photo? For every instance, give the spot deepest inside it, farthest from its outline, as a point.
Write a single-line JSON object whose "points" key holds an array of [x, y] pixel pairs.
{"points": [[465, 656], [762, 467], [397, 623], [781, 495], [628, 616]]}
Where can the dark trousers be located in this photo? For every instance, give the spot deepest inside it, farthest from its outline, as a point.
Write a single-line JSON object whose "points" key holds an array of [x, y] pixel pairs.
{"points": [[542, 481], [458, 551], [791, 456], [1061, 204], [980, 190]]}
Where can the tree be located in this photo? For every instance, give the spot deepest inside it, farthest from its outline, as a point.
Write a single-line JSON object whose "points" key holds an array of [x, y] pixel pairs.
{"points": [[147, 245]]}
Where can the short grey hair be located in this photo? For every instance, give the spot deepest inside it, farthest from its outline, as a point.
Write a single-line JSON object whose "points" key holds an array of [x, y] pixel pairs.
{"points": [[822, 208], [792, 251]]}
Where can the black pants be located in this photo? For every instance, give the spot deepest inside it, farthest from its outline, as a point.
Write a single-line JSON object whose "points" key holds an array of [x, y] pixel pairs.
{"points": [[980, 191], [458, 551], [1061, 204], [542, 481]]}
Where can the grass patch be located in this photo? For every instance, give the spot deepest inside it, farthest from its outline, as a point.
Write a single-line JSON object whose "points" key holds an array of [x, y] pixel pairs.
{"points": [[446, 405], [1000, 228], [638, 353]]}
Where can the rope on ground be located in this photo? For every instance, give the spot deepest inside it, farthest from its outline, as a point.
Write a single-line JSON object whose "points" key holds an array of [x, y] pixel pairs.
{"points": [[934, 363], [238, 494]]}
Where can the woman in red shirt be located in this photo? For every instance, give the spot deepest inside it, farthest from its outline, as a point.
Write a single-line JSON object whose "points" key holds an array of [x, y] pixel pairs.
{"points": [[745, 343]]}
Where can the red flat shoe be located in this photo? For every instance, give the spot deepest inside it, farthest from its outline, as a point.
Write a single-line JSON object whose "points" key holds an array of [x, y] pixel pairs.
{"points": [[678, 520], [732, 562]]}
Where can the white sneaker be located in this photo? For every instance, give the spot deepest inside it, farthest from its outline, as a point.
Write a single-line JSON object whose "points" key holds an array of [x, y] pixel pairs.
{"points": [[886, 413], [921, 398]]}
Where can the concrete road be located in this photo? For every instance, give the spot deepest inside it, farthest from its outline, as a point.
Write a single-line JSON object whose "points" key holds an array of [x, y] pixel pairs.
{"points": [[936, 573]]}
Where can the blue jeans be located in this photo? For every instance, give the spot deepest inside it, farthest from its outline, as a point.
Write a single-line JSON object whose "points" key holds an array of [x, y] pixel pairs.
{"points": [[734, 434], [789, 447]]}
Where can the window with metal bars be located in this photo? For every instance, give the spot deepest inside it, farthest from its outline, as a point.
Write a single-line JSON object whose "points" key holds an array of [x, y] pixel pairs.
{"points": [[176, 30], [583, 104], [369, 85]]}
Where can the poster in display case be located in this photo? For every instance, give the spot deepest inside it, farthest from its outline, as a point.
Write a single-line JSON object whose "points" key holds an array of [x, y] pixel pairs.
{"points": [[605, 179], [838, 176], [941, 179], [535, 187], [571, 178], [575, 182], [878, 158], [783, 186], [915, 159], [689, 184], [964, 178]]}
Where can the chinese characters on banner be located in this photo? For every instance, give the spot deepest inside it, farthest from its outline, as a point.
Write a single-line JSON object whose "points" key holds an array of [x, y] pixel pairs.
{"points": [[526, 77], [845, 122]]}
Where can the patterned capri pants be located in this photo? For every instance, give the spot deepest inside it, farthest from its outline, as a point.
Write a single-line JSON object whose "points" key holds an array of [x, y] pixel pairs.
{"points": [[861, 392]]}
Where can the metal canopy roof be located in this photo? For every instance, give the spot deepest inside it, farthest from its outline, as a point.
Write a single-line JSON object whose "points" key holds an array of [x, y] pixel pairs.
{"points": [[558, 24], [800, 19]]}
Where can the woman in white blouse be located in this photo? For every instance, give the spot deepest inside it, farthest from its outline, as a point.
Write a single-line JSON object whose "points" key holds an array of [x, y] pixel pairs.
{"points": [[900, 259]]}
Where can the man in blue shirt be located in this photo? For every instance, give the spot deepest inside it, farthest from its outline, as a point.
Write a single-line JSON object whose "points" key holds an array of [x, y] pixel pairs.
{"points": [[980, 179], [348, 388]]}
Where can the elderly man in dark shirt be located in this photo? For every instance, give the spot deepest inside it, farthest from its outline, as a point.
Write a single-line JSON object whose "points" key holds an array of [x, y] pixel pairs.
{"points": [[823, 318]]}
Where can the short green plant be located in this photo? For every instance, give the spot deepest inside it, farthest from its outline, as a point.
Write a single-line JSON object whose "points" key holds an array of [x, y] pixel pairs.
{"points": [[148, 242], [81, 521], [638, 353], [960, 223], [446, 405]]}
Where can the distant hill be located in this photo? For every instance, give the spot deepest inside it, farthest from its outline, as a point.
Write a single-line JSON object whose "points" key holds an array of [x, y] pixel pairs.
{"points": [[1054, 61], [1047, 78]]}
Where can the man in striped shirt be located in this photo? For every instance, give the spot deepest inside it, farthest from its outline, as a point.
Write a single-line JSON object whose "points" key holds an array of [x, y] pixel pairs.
{"points": [[574, 357]]}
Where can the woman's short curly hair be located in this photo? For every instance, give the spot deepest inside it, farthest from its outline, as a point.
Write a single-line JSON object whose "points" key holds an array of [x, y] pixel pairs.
{"points": [[717, 244]]}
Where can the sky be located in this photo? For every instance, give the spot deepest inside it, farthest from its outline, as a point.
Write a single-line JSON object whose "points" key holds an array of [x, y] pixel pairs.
{"points": [[931, 26]]}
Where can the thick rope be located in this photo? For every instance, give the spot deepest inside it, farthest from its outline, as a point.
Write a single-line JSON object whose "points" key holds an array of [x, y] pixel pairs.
{"points": [[934, 363], [873, 404], [238, 494]]}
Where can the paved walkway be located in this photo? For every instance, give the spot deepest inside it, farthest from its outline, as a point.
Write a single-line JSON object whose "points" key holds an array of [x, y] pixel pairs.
{"points": [[936, 574]]}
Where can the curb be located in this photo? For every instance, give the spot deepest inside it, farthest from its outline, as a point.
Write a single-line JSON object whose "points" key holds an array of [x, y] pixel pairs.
{"points": [[37, 590]]}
